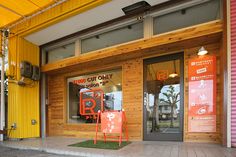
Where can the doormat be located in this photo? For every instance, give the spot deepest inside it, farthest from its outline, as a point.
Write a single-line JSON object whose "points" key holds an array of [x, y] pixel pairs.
{"points": [[101, 144]]}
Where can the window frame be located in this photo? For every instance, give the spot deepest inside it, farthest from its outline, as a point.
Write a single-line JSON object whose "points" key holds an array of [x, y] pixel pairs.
{"points": [[110, 29], [77, 74], [45, 53], [148, 29], [180, 7]]}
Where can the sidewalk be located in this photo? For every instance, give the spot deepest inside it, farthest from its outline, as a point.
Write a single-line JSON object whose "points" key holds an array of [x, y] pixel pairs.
{"points": [[59, 145]]}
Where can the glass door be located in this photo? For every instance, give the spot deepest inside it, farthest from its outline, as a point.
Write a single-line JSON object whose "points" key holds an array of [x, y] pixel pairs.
{"points": [[163, 98]]}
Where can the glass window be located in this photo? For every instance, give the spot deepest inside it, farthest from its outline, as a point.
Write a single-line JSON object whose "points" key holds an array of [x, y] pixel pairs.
{"points": [[60, 52], [89, 93], [114, 37], [198, 14], [163, 97]]}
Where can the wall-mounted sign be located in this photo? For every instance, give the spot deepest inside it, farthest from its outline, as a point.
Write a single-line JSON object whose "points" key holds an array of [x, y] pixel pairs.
{"points": [[202, 94], [93, 81], [91, 101]]}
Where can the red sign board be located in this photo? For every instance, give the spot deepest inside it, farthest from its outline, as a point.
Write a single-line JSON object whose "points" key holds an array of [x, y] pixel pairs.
{"points": [[202, 94], [111, 122], [91, 101], [162, 75]]}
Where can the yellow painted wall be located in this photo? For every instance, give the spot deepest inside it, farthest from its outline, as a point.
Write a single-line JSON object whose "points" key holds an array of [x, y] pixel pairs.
{"points": [[23, 102], [0, 40]]}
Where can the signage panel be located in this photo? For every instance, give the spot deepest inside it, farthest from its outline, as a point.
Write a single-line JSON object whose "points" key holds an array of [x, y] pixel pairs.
{"points": [[202, 94]]}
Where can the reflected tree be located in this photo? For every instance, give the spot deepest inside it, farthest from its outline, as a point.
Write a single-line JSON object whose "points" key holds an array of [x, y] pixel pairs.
{"points": [[171, 98], [154, 87]]}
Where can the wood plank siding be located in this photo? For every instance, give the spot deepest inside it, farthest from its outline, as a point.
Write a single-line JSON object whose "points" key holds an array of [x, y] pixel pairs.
{"points": [[129, 57], [202, 32]]}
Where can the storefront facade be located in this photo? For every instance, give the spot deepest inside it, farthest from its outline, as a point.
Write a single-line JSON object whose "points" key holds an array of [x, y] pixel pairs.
{"points": [[146, 64], [129, 75]]}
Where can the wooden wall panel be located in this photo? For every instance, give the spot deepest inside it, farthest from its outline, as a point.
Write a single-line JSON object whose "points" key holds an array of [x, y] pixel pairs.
{"points": [[202, 33], [132, 96], [132, 87], [213, 49], [55, 104], [132, 102]]}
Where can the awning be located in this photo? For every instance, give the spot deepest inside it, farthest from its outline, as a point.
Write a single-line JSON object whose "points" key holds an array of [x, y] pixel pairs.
{"points": [[13, 10]]}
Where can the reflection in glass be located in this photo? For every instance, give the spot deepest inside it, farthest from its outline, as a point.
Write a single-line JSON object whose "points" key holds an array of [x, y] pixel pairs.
{"points": [[90, 90], [118, 36], [197, 14], [61, 52], [162, 99]]}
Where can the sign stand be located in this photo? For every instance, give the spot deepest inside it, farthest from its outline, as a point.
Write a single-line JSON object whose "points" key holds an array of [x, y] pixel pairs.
{"points": [[112, 122]]}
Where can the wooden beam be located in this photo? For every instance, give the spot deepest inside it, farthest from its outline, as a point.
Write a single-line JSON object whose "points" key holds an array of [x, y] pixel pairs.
{"points": [[214, 27], [224, 76]]}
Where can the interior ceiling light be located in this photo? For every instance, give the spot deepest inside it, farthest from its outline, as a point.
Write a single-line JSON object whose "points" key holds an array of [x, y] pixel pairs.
{"points": [[138, 7], [174, 74], [202, 51]]}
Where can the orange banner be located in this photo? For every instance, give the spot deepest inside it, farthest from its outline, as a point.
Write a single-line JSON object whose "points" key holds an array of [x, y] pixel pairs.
{"points": [[112, 122], [202, 94]]}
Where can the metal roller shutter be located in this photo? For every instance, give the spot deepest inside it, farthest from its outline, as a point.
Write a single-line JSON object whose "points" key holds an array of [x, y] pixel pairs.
{"points": [[233, 71]]}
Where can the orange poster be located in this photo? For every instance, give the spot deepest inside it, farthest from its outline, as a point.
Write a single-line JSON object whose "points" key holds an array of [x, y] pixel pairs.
{"points": [[202, 94], [111, 122]]}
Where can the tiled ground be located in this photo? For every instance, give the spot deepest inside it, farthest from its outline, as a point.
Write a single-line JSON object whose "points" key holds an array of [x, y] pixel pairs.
{"points": [[59, 145], [11, 152]]}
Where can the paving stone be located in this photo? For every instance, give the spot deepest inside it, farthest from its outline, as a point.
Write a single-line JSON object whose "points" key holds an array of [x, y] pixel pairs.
{"points": [[11, 152], [51, 146]]}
